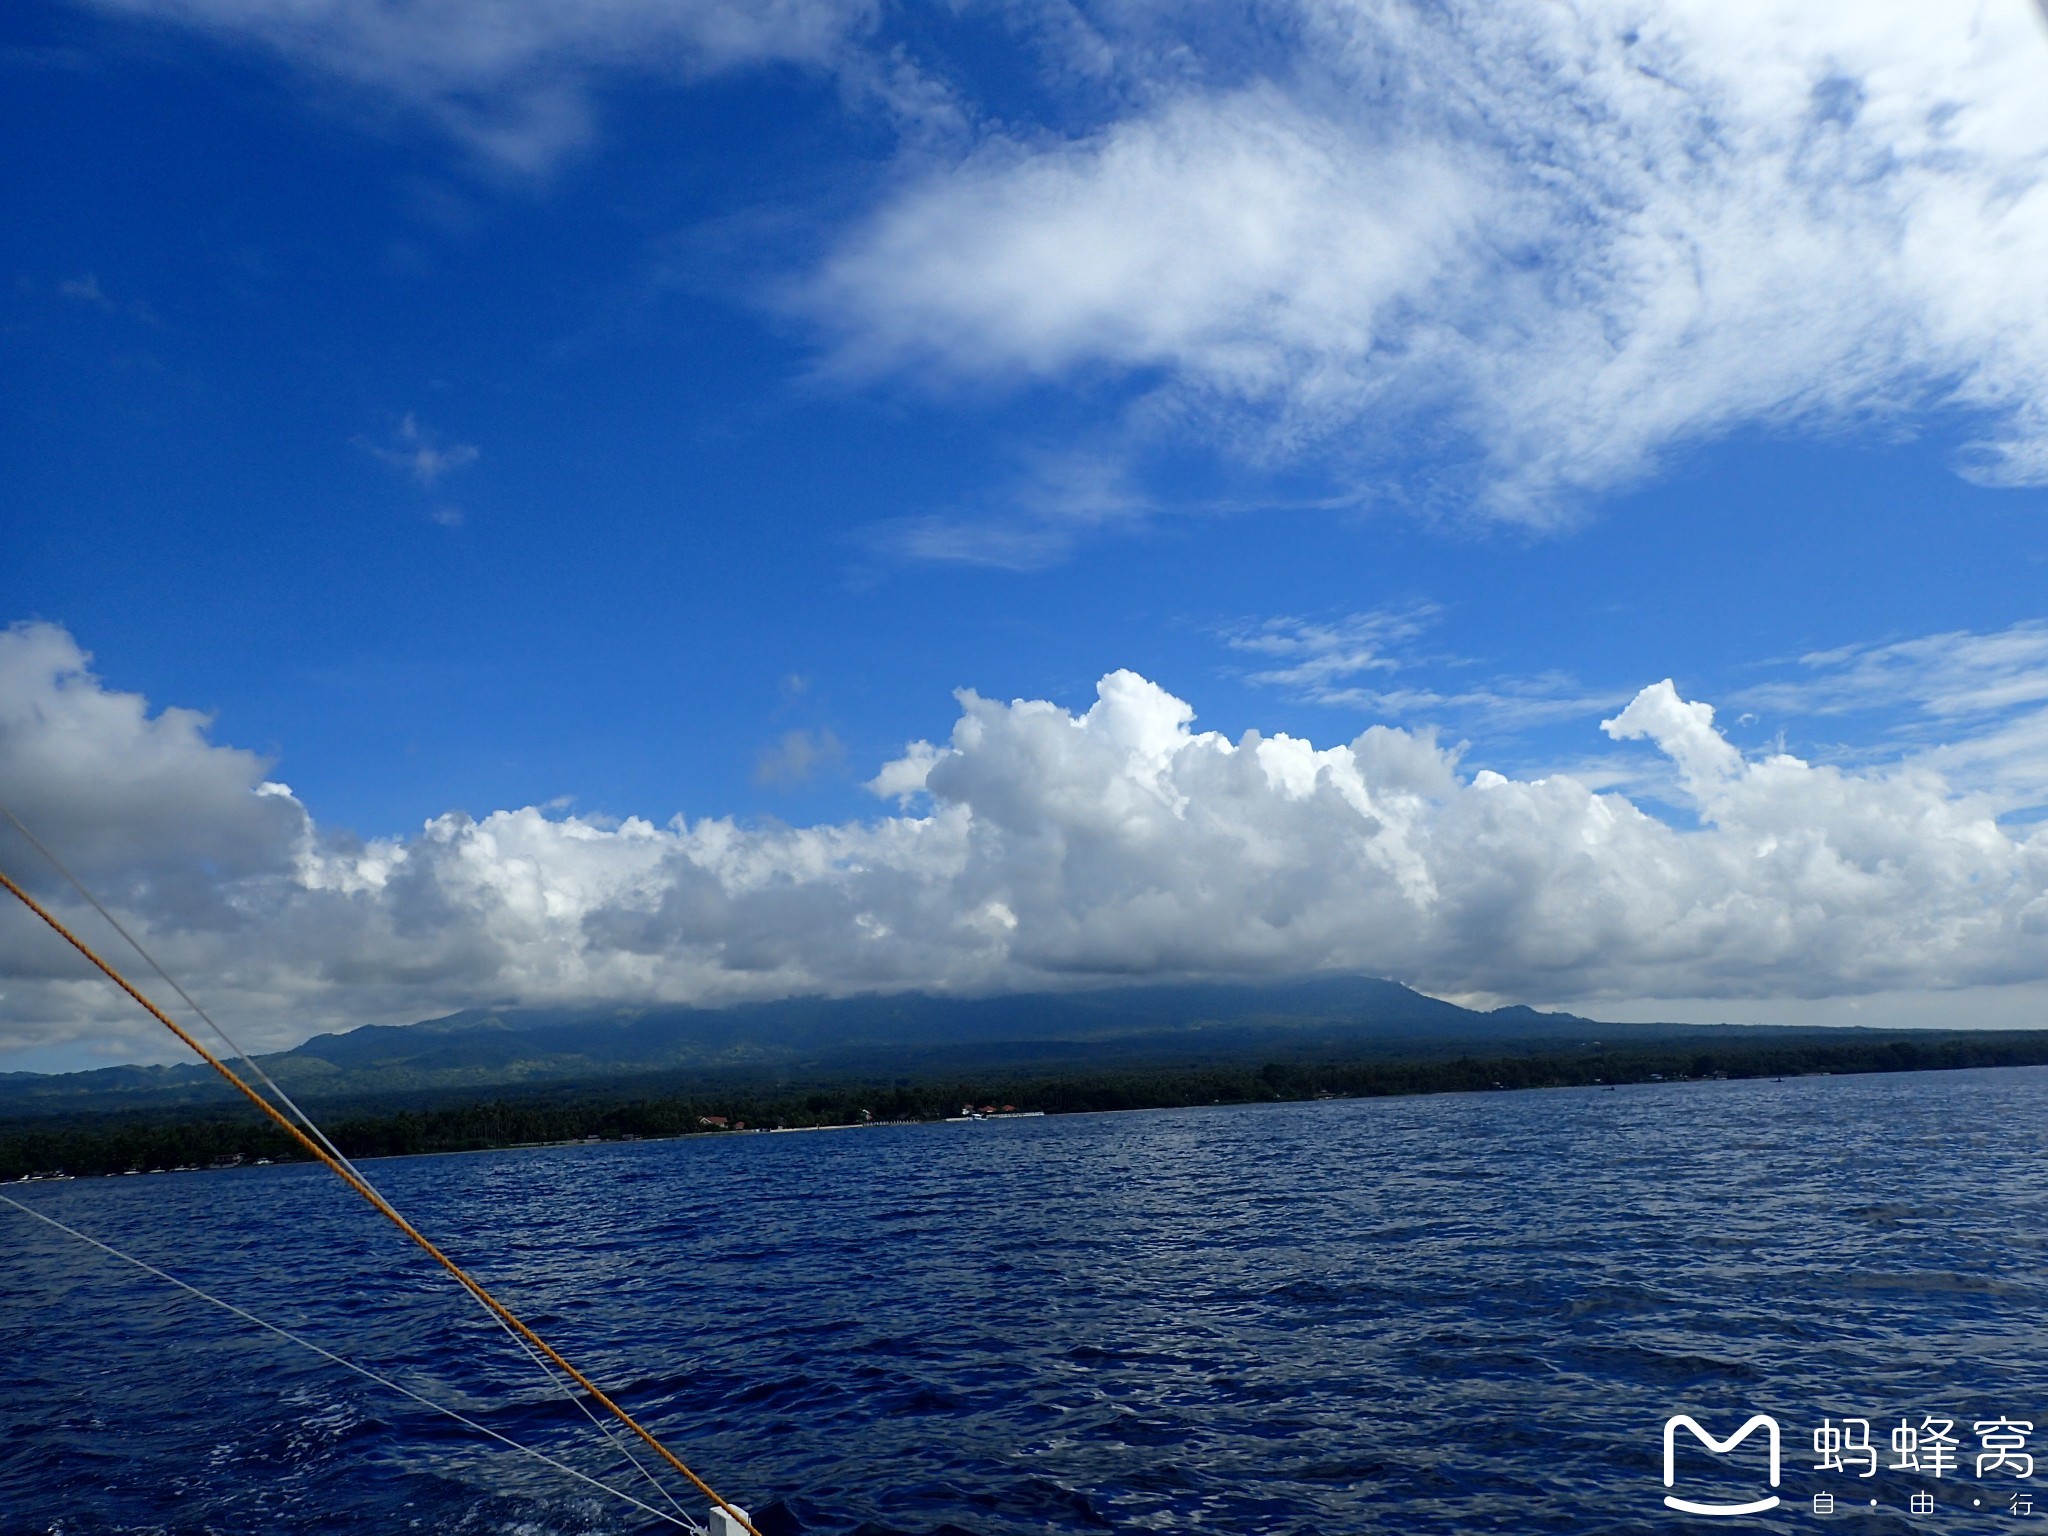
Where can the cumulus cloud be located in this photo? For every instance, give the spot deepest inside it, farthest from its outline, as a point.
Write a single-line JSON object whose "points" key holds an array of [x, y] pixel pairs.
{"points": [[1034, 847], [134, 798], [512, 79], [1558, 238]]}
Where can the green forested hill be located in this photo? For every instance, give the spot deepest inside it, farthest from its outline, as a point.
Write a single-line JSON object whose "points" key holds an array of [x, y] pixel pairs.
{"points": [[144, 1140]]}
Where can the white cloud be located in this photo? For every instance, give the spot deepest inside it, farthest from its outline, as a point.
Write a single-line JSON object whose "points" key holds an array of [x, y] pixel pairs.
{"points": [[798, 757], [1035, 847], [1172, 238], [86, 290], [132, 797], [420, 452], [512, 79], [1957, 675], [1537, 244], [1318, 660], [1562, 237], [1971, 706], [1356, 661], [1032, 522]]}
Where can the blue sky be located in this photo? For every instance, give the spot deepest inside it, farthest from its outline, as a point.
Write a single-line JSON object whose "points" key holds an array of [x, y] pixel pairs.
{"points": [[662, 411]]}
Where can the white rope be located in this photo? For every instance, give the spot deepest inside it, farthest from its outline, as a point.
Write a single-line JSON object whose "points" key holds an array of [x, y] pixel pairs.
{"points": [[364, 1371], [561, 1386]]}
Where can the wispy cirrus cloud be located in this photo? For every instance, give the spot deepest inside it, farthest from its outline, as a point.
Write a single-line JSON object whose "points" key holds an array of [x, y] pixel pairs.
{"points": [[1320, 660], [1972, 705], [1032, 520], [85, 289], [1369, 661], [1957, 675], [799, 756], [513, 80], [1540, 244], [1510, 254], [419, 451]]}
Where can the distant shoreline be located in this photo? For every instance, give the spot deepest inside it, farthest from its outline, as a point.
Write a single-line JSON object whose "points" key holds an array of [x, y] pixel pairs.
{"points": [[198, 1140]]}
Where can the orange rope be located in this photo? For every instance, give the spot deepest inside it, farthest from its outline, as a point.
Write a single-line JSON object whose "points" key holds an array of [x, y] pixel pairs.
{"points": [[383, 1207]]}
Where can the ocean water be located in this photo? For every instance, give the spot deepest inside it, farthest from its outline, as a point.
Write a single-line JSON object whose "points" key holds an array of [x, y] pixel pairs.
{"points": [[1459, 1313]]}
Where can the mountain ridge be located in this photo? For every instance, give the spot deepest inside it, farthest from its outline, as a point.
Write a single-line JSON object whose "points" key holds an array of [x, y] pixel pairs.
{"points": [[481, 1049]]}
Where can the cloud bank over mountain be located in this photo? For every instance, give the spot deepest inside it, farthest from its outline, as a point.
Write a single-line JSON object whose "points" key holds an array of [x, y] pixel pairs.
{"points": [[1036, 847]]}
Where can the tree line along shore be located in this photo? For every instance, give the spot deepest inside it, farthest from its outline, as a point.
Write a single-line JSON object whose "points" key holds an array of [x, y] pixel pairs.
{"points": [[81, 1146]]}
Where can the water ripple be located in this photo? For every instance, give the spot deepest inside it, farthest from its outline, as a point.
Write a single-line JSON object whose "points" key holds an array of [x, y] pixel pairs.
{"points": [[1450, 1314]]}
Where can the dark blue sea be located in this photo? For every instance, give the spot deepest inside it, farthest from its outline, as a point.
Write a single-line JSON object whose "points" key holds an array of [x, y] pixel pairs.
{"points": [[1459, 1313]]}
